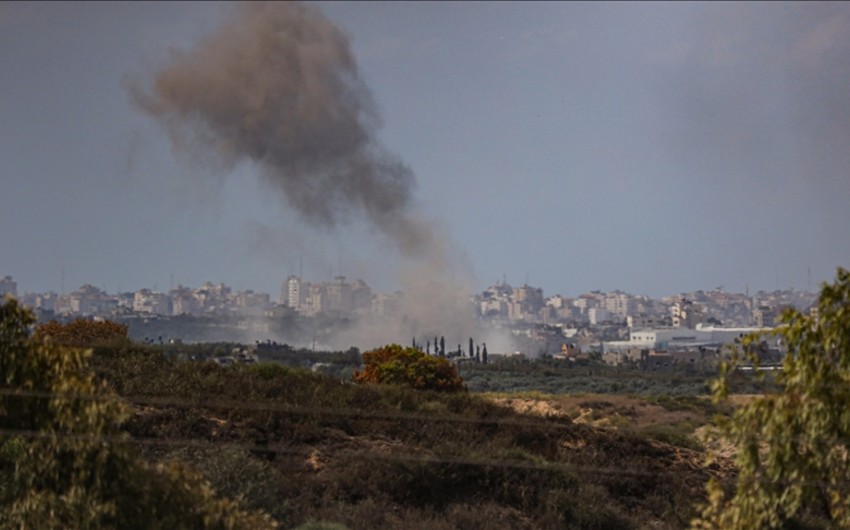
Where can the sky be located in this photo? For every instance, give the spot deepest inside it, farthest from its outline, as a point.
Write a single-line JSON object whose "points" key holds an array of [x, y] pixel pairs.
{"points": [[655, 148]]}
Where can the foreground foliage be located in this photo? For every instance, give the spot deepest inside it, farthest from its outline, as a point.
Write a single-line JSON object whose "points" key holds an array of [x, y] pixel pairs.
{"points": [[394, 364], [793, 446], [63, 457]]}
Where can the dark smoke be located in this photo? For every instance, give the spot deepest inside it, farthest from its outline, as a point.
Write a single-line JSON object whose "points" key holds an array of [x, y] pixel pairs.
{"points": [[276, 84]]}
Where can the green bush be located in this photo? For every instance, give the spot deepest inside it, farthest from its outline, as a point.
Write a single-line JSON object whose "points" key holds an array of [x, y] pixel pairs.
{"points": [[394, 364]]}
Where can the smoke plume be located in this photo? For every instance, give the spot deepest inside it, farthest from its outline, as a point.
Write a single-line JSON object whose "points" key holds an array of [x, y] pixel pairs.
{"points": [[276, 84]]}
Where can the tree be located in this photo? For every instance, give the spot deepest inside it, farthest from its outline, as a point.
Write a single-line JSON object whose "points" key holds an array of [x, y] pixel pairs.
{"points": [[64, 462], [394, 364], [792, 446]]}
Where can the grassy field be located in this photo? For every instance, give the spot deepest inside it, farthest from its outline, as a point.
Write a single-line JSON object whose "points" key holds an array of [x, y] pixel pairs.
{"points": [[563, 377], [309, 448]]}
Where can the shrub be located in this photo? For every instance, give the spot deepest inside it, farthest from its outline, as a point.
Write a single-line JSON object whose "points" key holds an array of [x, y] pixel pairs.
{"points": [[394, 364], [83, 333], [63, 461]]}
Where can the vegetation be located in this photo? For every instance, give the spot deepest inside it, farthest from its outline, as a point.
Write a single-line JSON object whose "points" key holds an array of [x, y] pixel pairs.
{"points": [[313, 451], [316, 451], [63, 461], [398, 365], [793, 445], [557, 377], [83, 332]]}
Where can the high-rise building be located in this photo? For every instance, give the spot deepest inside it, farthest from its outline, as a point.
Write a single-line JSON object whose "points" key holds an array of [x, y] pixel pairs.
{"points": [[296, 294], [315, 301], [339, 297], [619, 305], [527, 302], [686, 314], [361, 296]]}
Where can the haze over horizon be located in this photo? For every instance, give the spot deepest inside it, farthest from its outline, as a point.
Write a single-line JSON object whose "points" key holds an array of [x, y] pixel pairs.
{"points": [[652, 148]]}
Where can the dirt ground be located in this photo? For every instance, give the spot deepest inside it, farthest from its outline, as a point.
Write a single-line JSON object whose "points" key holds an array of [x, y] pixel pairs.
{"points": [[694, 418], [607, 410]]}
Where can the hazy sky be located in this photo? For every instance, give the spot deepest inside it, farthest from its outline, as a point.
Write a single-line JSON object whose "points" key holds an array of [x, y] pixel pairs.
{"points": [[649, 147]]}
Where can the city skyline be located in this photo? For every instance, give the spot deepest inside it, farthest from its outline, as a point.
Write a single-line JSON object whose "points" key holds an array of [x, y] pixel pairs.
{"points": [[347, 313], [278, 295], [650, 148]]}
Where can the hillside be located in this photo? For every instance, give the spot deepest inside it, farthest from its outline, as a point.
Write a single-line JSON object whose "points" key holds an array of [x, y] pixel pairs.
{"points": [[305, 447]]}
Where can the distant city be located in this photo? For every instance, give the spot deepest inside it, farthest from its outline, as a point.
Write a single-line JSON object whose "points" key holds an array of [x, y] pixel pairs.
{"points": [[534, 323], [499, 302]]}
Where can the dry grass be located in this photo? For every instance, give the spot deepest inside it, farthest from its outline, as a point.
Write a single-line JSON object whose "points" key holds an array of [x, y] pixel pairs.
{"points": [[304, 447], [605, 410]]}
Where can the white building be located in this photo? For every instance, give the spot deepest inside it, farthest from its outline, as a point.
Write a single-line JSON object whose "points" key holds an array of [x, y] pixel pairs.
{"points": [[597, 315], [586, 302], [686, 314], [493, 308], [315, 302], [296, 292], [184, 304], [147, 301], [89, 300], [619, 305], [681, 338], [728, 335]]}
